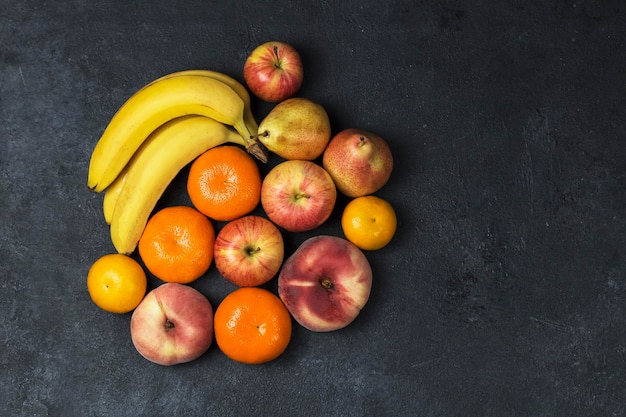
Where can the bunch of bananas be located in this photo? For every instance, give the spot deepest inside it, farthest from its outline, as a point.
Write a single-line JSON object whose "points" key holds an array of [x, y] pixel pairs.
{"points": [[159, 130]]}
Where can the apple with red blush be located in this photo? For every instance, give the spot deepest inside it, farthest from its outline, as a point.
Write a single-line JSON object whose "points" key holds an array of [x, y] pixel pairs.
{"points": [[360, 162], [249, 251], [273, 71], [173, 324], [325, 283], [298, 195]]}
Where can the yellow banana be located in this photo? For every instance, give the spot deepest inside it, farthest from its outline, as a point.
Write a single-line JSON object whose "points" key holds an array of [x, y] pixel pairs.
{"points": [[112, 193], [113, 190], [154, 105], [240, 89], [155, 165]]}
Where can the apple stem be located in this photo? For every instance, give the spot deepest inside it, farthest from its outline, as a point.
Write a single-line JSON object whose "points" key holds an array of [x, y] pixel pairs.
{"points": [[168, 325], [251, 250], [361, 141], [326, 283], [277, 60], [301, 195]]}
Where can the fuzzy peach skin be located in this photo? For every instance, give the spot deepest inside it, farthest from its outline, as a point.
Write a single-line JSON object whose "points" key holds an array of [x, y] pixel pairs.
{"points": [[173, 324], [325, 283]]}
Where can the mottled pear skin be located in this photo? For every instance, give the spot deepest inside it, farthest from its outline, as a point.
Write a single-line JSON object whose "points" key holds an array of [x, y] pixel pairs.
{"points": [[359, 162], [296, 128]]}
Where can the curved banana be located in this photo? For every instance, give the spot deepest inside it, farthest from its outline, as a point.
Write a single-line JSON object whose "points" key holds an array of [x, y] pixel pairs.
{"points": [[111, 194], [154, 105], [155, 165], [248, 116]]}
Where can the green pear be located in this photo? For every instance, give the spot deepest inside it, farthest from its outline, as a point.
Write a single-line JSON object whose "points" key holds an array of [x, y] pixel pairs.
{"points": [[296, 128]]}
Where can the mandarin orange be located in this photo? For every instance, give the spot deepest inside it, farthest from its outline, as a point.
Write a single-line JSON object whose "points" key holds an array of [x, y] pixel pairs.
{"points": [[369, 222], [252, 326], [116, 283], [224, 183], [177, 244]]}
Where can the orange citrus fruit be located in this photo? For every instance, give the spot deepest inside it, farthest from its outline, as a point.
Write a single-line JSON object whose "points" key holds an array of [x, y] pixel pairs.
{"points": [[224, 183], [369, 222], [252, 325], [177, 244], [116, 283]]}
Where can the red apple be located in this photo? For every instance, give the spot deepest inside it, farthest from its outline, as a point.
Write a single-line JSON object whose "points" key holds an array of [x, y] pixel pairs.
{"points": [[249, 251], [298, 195], [325, 283], [273, 71], [172, 324], [359, 162]]}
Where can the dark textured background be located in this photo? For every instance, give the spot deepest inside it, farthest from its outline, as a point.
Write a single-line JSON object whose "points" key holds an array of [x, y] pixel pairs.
{"points": [[504, 291]]}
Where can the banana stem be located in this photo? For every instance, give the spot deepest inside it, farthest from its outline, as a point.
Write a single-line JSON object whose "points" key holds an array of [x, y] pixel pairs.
{"points": [[257, 149]]}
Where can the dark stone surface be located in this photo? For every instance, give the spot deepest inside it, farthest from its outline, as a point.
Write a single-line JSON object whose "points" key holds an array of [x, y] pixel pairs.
{"points": [[504, 291]]}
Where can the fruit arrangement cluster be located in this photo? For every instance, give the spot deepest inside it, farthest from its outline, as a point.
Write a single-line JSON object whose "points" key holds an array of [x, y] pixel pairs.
{"points": [[204, 119]]}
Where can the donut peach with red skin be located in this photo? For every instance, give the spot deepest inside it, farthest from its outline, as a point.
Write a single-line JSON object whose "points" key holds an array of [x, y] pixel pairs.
{"points": [[359, 162], [325, 283]]}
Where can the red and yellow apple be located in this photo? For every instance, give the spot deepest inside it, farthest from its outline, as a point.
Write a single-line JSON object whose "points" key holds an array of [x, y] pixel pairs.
{"points": [[359, 162], [273, 71], [325, 283], [172, 324], [249, 251], [298, 195]]}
